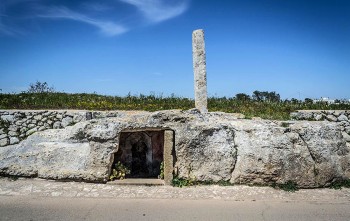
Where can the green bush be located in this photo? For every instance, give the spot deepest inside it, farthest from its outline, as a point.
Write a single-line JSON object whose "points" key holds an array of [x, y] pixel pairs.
{"points": [[273, 110], [119, 172], [180, 182], [339, 184]]}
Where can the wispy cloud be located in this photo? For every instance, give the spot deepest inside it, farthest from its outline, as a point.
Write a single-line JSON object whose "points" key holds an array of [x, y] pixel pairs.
{"points": [[158, 74], [8, 30], [106, 27], [99, 14], [159, 10]]}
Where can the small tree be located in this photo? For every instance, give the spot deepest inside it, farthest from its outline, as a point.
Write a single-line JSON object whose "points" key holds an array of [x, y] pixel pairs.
{"points": [[266, 96], [308, 100], [242, 97], [40, 87]]}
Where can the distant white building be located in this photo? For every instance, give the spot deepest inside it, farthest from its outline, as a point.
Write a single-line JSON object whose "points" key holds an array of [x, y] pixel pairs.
{"points": [[325, 99]]}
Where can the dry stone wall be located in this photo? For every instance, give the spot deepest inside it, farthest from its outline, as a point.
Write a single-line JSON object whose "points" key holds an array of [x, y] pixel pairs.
{"points": [[16, 125], [341, 117]]}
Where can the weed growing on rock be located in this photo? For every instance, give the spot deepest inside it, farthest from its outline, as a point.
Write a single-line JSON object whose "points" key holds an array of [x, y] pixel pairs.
{"points": [[290, 186], [180, 182], [161, 175], [5, 125], [340, 184], [119, 172]]}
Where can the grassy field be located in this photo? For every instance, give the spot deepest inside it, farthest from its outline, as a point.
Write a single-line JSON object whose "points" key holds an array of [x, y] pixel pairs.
{"points": [[251, 108]]}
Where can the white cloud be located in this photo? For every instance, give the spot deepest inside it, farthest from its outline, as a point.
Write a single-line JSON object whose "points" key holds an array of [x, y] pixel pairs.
{"points": [[158, 10], [106, 27], [94, 13]]}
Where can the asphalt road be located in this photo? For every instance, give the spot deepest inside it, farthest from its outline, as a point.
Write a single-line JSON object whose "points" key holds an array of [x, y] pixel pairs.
{"points": [[57, 208]]}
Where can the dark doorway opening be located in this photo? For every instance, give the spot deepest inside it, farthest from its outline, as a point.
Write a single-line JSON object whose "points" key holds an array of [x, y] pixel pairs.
{"points": [[141, 152]]}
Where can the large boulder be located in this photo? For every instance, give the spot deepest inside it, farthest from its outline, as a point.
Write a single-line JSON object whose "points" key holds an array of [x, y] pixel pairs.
{"points": [[311, 154], [208, 147]]}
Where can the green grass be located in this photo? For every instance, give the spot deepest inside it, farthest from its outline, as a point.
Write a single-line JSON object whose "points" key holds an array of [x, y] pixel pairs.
{"points": [[251, 108]]}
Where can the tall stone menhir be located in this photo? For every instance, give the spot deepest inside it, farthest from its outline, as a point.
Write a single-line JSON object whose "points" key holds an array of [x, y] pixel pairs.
{"points": [[200, 71]]}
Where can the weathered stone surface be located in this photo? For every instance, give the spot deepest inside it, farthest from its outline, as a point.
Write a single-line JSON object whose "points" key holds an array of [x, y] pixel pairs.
{"points": [[4, 142], [343, 118], [14, 140], [200, 71], [38, 117], [81, 116], [8, 118], [12, 133], [57, 125], [309, 153], [331, 118], [66, 121], [208, 147], [302, 115], [318, 117], [346, 136], [347, 130], [13, 128], [31, 131]]}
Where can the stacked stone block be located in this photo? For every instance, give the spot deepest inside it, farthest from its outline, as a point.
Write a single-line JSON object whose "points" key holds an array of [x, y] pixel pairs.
{"points": [[342, 117], [15, 126]]}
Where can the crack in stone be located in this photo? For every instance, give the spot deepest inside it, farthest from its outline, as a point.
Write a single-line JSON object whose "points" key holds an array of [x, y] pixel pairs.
{"points": [[308, 148], [312, 157], [236, 153]]}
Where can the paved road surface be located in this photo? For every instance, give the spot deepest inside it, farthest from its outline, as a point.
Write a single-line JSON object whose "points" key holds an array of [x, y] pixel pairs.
{"points": [[50, 208], [36, 199]]}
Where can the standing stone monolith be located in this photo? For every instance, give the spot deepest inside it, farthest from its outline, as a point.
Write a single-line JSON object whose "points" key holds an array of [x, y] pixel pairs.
{"points": [[200, 71]]}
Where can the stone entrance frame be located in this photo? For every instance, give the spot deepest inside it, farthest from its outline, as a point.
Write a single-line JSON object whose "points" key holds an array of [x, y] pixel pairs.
{"points": [[168, 150]]}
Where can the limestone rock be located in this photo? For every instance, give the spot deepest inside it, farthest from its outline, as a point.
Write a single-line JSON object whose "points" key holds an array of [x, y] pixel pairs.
{"points": [[319, 117], [346, 136], [207, 147], [14, 140], [57, 125], [66, 121], [347, 130], [38, 117], [31, 131], [4, 142], [13, 128], [331, 118], [302, 115], [8, 118], [81, 116], [200, 72], [343, 118], [12, 133]]}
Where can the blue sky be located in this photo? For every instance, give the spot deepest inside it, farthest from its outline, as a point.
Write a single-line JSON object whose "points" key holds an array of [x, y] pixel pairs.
{"points": [[295, 47]]}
